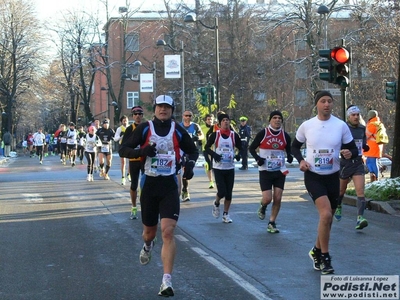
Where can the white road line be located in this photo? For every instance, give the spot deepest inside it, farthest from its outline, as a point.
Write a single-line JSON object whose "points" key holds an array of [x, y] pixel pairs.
{"points": [[33, 197], [239, 280], [181, 238]]}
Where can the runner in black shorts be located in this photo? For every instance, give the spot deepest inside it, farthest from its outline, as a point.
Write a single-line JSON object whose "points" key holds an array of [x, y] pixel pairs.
{"points": [[161, 142], [134, 163], [272, 143], [354, 169], [321, 169]]}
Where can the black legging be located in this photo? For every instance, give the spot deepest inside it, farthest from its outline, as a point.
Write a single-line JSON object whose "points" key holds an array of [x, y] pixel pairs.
{"points": [[224, 180], [90, 157]]}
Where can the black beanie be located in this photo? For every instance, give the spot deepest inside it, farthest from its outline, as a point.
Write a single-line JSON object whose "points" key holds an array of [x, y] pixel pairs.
{"points": [[320, 94], [275, 113], [222, 116]]}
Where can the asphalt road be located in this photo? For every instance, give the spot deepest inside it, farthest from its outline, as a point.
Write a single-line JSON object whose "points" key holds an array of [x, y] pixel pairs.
{"points": [[65, 238]]}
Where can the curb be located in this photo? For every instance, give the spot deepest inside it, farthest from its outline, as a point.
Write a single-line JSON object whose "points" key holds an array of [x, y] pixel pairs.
{"points": [[379, 206]]}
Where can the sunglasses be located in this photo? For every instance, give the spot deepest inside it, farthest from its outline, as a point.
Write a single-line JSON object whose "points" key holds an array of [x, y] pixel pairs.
{"points": [[188, 116], [138, 114]]}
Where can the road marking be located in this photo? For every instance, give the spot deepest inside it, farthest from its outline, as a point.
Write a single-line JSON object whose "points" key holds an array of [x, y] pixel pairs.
{"points": [[33, 197], [181, 238], [247, 286]]}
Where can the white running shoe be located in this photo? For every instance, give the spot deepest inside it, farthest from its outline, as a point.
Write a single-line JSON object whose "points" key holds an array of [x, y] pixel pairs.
{"points": [[145, 256], [88, 178], [215, 211], [226, 219], [123, 181], [166, 289]]}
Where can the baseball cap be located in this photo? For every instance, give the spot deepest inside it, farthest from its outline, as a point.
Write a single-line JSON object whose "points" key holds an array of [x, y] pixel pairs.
{"points": [[72, 124], [243, 118], [164, 99], [137, 109], [106, 122]]}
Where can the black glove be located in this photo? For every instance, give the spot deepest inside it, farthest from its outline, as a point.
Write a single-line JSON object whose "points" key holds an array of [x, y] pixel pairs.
{"points": [[149, 150], [188, 173], [260, 161], [289, 159], [365, 147], [217, 157], [237, 157], [195, 138]]}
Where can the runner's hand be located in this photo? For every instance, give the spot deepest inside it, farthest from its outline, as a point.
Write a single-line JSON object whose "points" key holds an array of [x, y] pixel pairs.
{"points": [[260, 161], [149, 150]]}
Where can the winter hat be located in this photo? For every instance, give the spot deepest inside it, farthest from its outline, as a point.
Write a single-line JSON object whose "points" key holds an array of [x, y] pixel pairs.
{"points": [[222, 116], [320, 94], [372, 114], [275, 113]]}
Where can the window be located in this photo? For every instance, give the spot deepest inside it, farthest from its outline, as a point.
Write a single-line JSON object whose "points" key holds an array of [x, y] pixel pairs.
{"points": [[301, 97], [132, 42], [132, 99], [300, 42], [300, 71], [259, 96]]}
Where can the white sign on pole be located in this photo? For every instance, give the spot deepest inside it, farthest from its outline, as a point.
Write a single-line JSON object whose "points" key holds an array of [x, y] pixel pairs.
{"points": [[172, 66], [334, 92], [146, 82]]}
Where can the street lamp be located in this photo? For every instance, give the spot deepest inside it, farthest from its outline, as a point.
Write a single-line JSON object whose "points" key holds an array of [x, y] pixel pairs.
{"points": [[191, 18], [323, 10], [182, 50]]}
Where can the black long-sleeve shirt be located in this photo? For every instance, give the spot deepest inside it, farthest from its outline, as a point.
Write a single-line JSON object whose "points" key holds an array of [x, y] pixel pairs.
{"points": [[162, 128]]}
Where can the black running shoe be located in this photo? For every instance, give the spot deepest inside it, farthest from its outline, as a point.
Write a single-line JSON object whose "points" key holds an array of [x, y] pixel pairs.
{"points": [[326, 267], [316, 258]]}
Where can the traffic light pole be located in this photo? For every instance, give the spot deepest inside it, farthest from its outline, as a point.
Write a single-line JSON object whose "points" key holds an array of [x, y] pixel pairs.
{"points": [[344, 101], [395, 168]]}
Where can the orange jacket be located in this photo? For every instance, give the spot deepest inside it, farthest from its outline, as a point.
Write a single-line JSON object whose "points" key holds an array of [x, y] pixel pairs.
{"points": [[371, 129]]}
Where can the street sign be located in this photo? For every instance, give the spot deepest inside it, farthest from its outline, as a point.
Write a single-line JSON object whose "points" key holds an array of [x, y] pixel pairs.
{"points": [[334, 92]]}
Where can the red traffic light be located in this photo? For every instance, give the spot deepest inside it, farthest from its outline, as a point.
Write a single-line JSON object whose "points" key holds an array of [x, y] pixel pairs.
{"points": [[341, 55]]}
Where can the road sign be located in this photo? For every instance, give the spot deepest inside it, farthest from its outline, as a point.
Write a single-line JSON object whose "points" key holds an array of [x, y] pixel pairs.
{"points": [[334, 92]]}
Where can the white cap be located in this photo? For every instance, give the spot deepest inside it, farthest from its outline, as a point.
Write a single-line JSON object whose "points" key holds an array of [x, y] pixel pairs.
{"points": [[164, 99]]}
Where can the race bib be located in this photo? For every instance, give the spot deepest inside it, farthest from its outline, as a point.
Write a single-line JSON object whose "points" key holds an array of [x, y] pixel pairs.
{"points": [[323, 160], [105, 148], [162, 164]]}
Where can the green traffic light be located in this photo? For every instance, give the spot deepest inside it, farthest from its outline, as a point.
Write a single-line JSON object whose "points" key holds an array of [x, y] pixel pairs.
{"points": [[391, 91]]}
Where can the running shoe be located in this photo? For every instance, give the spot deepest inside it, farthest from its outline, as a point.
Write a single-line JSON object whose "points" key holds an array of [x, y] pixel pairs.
{"points": [[91, 177], [106, 177], [316, 258], [101, 173], [133, 213], [185, 196], [338, 213], [226, 219], [73, 164], [261, 212], [272, 228], [215, 210], [361, 222], [211, 185], [123, 181], [129, 177], [88, 178], [145, 255], [166, 289], [326, 266]]}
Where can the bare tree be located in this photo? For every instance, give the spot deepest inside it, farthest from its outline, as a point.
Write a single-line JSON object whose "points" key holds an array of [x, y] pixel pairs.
{"points": [[19, 45]]}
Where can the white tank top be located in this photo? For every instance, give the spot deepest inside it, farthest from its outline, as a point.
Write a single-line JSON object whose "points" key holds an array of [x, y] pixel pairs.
{"points": [[164, 163]]}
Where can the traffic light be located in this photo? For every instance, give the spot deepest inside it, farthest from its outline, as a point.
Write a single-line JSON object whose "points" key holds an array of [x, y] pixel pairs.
{"points": [[213, 95], [391, 91], [341, 58], [204, 95], [326, 65]]}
